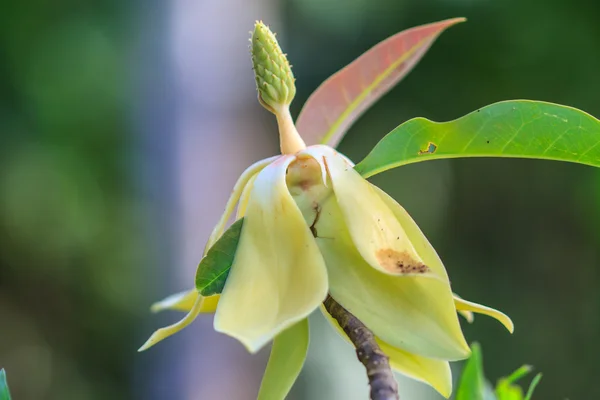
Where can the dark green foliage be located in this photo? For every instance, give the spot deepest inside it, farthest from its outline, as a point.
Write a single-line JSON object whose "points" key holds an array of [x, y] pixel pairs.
{"points": [[214, 267]]}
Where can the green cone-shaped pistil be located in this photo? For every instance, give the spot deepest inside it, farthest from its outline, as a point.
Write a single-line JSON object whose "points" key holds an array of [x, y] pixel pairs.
{"points": [[274, 77]]}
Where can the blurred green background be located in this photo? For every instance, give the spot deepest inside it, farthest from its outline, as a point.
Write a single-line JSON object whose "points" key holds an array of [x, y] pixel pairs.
{"points": [[85, 204]]}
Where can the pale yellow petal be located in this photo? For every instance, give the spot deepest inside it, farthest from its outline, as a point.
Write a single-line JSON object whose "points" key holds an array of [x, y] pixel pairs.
{"points": [[235, 196], [468, 306], [164, 333], [435, 373], [285, 363], [468, 315], [375, 231], [243, 204], [319, 152], [210, 304], [278, 276], [420, 242], [184, 301], [422, 246], [413, 312], [306, 179]]}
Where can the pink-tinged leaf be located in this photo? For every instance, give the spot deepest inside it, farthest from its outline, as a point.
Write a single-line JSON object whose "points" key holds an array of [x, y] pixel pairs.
{"points": [[340, 100]]}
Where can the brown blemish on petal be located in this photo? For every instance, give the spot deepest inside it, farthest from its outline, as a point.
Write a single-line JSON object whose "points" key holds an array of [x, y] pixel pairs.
{"points": [[400, 262]]}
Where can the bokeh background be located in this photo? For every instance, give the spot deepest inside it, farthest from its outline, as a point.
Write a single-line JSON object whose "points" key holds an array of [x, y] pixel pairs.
{"points": [[123, 126]]}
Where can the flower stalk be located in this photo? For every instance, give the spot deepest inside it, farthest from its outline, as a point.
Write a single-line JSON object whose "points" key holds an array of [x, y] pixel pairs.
{"points": [[381, 379]]}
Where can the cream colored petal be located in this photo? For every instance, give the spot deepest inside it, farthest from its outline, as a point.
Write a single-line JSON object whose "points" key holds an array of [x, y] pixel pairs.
{"points": [[431, 259], [374, 229], [412, 312], [278, 276], [468, 306], [243, 204], [422, 246], [285, 363], [235, 196], [468, 315], [164, 333], [319, 152], [306, 180], [184, 301], [435, 373]]}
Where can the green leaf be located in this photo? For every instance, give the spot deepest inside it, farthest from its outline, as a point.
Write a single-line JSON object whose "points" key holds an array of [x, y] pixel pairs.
{"points": [[214, 267], [533, 385], [285, 363], [518, 374], [332, 109], [4, 392], [507, 390], [472, 381], [519, 128]]}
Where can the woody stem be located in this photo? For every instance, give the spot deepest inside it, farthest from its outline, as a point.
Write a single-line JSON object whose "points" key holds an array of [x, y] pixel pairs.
{"points": [[381, 379]]}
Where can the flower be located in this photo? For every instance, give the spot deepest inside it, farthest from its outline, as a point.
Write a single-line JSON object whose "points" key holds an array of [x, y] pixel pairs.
{"points": [[313, 226]]}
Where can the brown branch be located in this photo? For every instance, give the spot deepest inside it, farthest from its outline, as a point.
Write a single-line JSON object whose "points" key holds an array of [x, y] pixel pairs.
{"points": [[381, 379]]}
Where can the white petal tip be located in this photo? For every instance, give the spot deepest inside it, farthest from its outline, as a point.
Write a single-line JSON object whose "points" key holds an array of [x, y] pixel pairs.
{"points": [[156, 307], [182, 301]]}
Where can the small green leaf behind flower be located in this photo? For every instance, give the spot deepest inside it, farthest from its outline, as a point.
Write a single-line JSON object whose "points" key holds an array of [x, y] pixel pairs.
{"points": [[507, 390], [214, 267], [4, 392], [474, 386]]}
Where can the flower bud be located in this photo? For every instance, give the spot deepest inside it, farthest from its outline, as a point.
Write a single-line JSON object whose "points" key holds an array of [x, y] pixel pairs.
{"points": [[273, 73]]}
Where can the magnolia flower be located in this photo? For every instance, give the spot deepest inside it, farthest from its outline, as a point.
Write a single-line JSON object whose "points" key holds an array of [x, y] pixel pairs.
{"points": [[313, 226]]}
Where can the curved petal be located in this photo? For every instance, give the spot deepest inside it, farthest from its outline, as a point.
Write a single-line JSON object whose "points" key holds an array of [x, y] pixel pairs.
{"points": [[164, 333], [435, 373], [184, 301], [243, 204], [468, 315], [285, 363], [278, 276], [233, 199], [306, 179], [374, 229], [468, 306], [412, 312], [422, 246]]}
